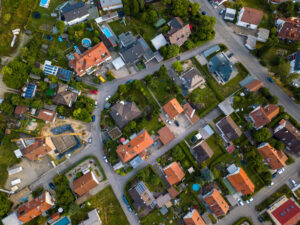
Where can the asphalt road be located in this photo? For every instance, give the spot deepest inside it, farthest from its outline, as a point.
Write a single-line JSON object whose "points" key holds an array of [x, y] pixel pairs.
{"points": [[234, 43]]}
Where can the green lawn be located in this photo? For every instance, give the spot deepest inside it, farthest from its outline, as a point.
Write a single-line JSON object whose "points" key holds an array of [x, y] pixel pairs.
{"points": [[14, 14], [213, 143], [46, 22], [155, 218], [7, 157], [111, 212], [136, 26], [205, 97]]}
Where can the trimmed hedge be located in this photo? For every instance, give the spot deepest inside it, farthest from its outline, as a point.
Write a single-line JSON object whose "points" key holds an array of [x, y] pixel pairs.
{"points": [[207, 110], [243, 219], [187, 152]]}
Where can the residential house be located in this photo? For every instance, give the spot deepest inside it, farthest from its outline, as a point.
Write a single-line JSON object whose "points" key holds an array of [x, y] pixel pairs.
{"points": [[254, 86], [173, 173], [288, 28], [88, 61], [290, 136], [192, 79], [134, 50], [142, 197], [135, 146], [20, 110], [159, 41], [36, 207], [29, 90], [165, 135], [295, 62], [164, 200], [202, 152], [123, 112], [74, 13], [93, 218], [173, 192], [229, 14], [39, 149], [276, 159], [193, 218], [262, 116], [249, 18], [222, 68], [284, 211], [239, 180], [262, 34], [216, 202], [64, 96], [85, 183], [111, 4], [228, 128], [190, 113], [173, 108], [179, 32], [47, 115]]}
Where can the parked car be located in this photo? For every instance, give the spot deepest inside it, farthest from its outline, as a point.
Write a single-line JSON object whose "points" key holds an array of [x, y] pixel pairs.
{"points": [[274, 175], [271, 184], [127, 203], [280, 171], [270, 79], [249, 200], [96, 104], [176, 123], [107, 98], [105, 159], [61, 117], [203, 13], [240, 202], [222, 11], [93, 118], [51, 185], [168, 122], [260, 219], [93, 92], [293, 182], [90, 140]]}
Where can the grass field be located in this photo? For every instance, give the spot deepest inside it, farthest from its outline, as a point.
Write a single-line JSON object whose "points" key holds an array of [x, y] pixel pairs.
{"points": [[111, 212], [212, 141], [156, 218], [14, 14]]}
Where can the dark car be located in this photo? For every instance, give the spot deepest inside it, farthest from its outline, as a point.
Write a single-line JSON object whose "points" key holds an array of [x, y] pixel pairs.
{"points": [[51, 185], [203, 13], [260, 219], [93, 118], [270, 79], [176, 123]]}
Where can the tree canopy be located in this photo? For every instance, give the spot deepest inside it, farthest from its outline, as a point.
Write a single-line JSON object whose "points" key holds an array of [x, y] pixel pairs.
{"points": [[262, 135]]}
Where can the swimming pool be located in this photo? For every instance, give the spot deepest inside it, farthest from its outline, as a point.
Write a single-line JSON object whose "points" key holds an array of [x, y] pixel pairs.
{"points": [[86, 42], [63, 221], [107, 32], [44, 3]]}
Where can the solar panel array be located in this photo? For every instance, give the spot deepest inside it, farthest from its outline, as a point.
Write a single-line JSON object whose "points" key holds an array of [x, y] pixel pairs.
{"points": [[50, 70], [64, 74]]}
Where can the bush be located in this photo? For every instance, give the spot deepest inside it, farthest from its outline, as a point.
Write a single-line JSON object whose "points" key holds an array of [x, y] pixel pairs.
{"points": [[290, 160], [262, 135]]}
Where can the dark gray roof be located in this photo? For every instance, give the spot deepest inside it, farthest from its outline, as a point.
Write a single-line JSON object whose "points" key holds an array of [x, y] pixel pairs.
{"points": [[229, 128], [297, 61], [123, 113], [203, 152], [73, 11], [192, 77], [176, 23], [136, 51], [126, 39]]}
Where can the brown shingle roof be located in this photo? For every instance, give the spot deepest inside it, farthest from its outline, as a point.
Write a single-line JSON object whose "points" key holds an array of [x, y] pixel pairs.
{"points": [[190, 112], [230, 131], [173, 108], [262, 116], [20, 110], [173, 192], [174, 173], [85, 183], [165, 135], [290, 29], [66, 98], [46, 115], [252, 16], [178, 33]]}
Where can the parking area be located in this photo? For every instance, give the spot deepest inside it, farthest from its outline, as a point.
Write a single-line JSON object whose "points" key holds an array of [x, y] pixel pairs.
{"points": [[31, 171], [179, 124]]}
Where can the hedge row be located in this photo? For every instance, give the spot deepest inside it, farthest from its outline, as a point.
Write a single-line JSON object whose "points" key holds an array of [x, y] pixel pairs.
{"points": [[187, 152], [207, 110], [243, 219]]}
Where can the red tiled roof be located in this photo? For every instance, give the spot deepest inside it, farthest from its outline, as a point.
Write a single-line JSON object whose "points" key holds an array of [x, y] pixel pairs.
{"points": [[190, 113], [174, 173], [173, 192], [46, 115], [38, 149], [275, 159], [34, 208], [254, 85], [241, 182], [94, 56], [20, 110], [230, 149], [193, 218], [252, 16], [85, 183], [262, 116], [288, 213], [173, 108], [135, 146], [290, 29], [165, 135], [216, 203]]}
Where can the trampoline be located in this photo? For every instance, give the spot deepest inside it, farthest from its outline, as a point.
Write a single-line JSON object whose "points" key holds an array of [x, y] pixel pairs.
{"points": [[49, 37], [86, 42], [196, 187]]}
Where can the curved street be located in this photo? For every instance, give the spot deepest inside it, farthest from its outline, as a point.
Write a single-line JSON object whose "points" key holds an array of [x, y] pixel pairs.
{"points": [[234, 43]]}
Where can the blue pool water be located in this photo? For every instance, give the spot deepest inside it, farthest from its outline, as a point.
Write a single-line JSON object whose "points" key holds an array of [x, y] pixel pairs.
{"points": [[44, 2], [196, 187], [106, 32], [63, 221], [86, 42]]}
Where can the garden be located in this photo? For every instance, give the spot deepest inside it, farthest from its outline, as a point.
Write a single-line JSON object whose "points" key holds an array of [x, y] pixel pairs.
{"points": [[111, 212]]}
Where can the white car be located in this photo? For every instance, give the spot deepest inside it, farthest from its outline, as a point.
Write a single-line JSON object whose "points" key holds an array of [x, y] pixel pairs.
{"points": [[280, 171], [105, 159], [270, 185], [96, 104], [240, 202], [168, 122], [249, 200], [293, 182], [107, 98]]}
